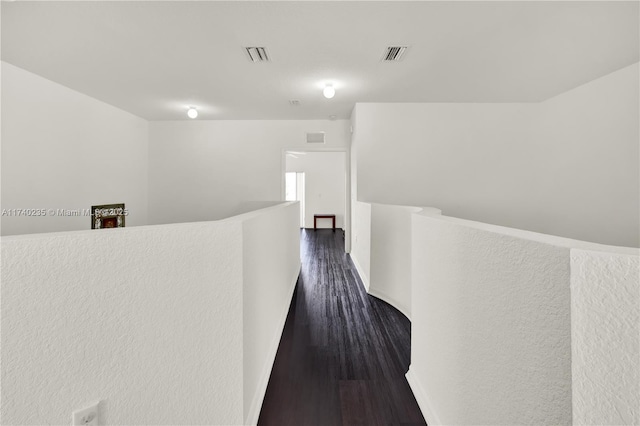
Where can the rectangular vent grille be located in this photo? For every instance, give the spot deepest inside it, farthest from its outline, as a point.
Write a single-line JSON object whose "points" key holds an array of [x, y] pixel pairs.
{"points": [[394, 53], [294, 102], [257, 54], [315, 137]]}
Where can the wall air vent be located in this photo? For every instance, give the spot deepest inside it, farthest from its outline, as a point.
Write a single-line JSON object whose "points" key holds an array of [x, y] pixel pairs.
{"points": [[394, 53], [315, 137], [294, 102], [257, 54]]}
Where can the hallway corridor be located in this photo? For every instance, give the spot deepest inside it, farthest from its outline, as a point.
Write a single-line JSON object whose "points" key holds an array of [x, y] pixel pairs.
{"points": [[343, 354]]}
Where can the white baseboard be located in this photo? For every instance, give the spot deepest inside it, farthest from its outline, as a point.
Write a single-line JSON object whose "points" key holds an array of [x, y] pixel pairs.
{"points": [[422, 399], [270, 357], [363, 277], [390, 300]]}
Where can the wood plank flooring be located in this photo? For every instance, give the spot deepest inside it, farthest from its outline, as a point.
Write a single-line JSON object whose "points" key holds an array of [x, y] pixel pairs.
{"points": [[343, 354]]}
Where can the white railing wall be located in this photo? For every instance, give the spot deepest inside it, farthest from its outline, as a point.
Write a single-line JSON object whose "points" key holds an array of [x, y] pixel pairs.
{"points": [[153, 321], [509, 326], [391, 255], [605, 337], [361, 241], [271, 253], [384, 246], [491, 331]]}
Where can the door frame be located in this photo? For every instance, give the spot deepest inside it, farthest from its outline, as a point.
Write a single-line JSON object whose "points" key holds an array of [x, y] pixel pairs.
{"points": [[347, 183]]}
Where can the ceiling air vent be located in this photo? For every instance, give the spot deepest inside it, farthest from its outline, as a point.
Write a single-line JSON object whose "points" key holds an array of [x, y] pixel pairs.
{"points": [[315, 137], [394, 53], [257, 54], [294, 102]]}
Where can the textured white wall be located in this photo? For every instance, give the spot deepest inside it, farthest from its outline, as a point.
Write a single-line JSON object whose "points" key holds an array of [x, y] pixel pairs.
{"points": [[361, 246], [558, 167], [499, 335], [605, 328], [490, 332], [325, 185], [206, 170], [390, 270], [170, 324], [64, 150], [148, 319], [271, 252]]}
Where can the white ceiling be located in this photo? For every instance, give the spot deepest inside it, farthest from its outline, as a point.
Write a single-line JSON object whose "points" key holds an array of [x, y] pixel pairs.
{"points": [[154, 59]]}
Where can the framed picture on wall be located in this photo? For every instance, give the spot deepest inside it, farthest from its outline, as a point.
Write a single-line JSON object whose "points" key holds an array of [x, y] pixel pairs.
{"points": [[108, 216]]}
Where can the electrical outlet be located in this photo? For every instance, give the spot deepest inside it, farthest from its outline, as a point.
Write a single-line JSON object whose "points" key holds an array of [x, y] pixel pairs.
{"points": [[87, 416]]}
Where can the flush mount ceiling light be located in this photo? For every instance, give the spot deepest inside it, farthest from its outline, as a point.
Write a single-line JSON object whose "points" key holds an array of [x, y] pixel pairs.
{"points": [[192, 112], [328, 91]]}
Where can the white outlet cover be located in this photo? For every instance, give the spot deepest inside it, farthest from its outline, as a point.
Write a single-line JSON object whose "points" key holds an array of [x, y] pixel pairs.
{"points": [[87, 416]]}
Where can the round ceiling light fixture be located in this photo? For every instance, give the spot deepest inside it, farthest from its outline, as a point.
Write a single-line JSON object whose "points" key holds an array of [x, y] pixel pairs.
{"points": [[328, 91], [192, 112]]}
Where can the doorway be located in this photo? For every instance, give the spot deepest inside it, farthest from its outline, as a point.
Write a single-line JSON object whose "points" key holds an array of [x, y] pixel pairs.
{"points": [[324, 185], [294, 191]]}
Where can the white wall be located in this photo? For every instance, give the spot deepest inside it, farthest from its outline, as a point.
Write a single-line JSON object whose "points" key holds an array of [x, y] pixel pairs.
{"points": [[353, 183], [558, 167], [516, 327], [508, 326], [590, 138], [390, 262], [161, 323], [491, 331], [325, 180], [605, 337], [361, 246], [64, 150], [148, 319], [444, 155], [271, 249], [204, 170], [390, 278]]}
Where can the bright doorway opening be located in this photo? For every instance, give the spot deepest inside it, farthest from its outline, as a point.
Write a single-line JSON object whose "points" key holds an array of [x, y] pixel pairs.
{"points": [[294, 191]]}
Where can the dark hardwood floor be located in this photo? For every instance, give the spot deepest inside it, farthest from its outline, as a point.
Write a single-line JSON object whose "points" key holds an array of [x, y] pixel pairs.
{"points": [[343, 354]]}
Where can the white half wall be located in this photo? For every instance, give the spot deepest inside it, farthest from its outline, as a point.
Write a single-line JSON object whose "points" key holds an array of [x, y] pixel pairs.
{"points": [[167, 324], [361, 246], [605, 337], [65, 150], [516, 327], [271, 253], [508, 326], [390, 262], [559, 167], [206, 170], [491, 330], [147, 319], [325, 185]]}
